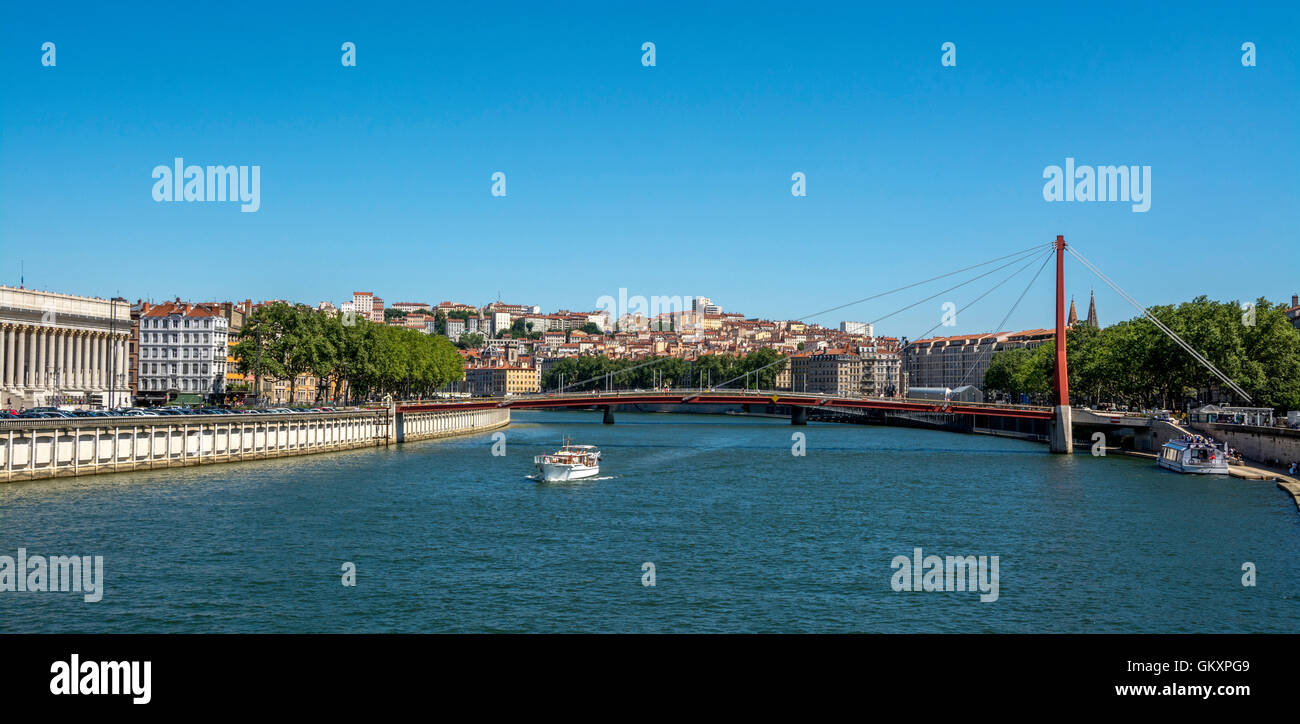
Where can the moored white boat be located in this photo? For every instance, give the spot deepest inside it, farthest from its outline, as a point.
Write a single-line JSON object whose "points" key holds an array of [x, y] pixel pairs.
{"points": [[1194, 454], [570, 462]]}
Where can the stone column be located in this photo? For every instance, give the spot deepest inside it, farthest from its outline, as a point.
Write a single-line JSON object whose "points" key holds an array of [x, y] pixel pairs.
{"points": [[70, 363], [102, 375], [40, 335], [11, 357], [4, 357], [73, 365], [43, 362], [21, 358], [52, 357], [97, 360], [79, 360], [31, 357], [64, 341]]}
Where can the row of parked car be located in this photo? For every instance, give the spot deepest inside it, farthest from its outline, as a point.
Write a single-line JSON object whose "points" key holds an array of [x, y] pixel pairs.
{"points": [[54, 413]]}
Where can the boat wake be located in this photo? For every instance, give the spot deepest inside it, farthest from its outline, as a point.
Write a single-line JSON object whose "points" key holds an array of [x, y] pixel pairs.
{"points": [[537, 478]]}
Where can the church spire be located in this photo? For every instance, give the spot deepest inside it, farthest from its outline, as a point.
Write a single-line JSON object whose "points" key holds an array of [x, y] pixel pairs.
{"points": [[1074, 314], [1092, 310]]}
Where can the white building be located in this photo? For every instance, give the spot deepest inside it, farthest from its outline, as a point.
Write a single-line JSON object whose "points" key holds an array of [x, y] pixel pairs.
{"points": [[702, 306], [363, 303], [863, 328], [500, 322], [182, 352], [455, 328], [60, 349]]}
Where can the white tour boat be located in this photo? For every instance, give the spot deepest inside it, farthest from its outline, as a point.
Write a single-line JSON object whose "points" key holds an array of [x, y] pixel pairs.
{"points": [[570, 462], [1194, 454]]}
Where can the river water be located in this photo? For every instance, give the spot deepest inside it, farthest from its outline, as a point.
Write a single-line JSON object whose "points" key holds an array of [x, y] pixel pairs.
{"points": [[742, 535]]}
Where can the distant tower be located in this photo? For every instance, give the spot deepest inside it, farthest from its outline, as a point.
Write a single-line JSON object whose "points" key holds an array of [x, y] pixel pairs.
{"points": [[1074, 315], [1092, 310]]}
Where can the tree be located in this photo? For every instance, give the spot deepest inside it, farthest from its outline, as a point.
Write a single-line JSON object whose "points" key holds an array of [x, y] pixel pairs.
{"points": [[366, 358], [470, 340], [1134, 363]]}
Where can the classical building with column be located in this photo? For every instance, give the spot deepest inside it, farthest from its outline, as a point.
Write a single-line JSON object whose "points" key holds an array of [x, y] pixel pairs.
{"points": [[61, 349]]}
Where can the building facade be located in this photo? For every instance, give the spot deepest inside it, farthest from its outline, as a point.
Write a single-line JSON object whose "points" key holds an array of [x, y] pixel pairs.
{"points": [[183, 353], [833, 371], [364, 305], [502, 380], [60, 349], [963, 359]]}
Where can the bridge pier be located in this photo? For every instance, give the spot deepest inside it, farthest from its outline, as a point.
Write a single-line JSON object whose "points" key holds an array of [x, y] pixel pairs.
{"points": [[1062, 439], [798, 416], [609, 414], [1062, 435]]}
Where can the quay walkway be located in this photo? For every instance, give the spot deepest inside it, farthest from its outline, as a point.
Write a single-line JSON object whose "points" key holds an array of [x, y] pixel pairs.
{"points": [[48, 448]]}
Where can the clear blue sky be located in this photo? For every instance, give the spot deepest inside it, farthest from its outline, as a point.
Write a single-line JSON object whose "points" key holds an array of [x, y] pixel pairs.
{"points": [[666, 180]]}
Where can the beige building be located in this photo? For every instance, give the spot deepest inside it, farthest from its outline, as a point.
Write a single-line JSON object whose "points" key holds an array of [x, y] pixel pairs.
{"points": [[60, 349], [963, 359], [833, 371], [882, 370], [500, 381]]}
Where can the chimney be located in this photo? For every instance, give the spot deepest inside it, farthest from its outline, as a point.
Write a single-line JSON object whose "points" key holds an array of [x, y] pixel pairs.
{"points": [[1295, 300]]}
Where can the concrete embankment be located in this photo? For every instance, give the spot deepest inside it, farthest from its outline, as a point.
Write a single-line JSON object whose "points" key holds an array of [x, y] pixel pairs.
{"points": [[35, 449], [1273, 445]]}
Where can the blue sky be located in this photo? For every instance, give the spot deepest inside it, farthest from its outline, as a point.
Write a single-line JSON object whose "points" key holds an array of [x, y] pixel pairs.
{"points": [[671, 180]]}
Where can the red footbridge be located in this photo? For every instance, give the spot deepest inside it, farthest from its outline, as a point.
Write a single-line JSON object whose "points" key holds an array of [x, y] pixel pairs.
{"points": [[1059, 415], [729, 397]]}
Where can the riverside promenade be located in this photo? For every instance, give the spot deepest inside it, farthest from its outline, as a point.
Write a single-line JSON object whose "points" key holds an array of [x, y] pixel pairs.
{"points": [[35, 449]]}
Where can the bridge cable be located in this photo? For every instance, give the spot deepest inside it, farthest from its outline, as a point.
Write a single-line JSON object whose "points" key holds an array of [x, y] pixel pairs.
{"points": [[1004, 321], [1032, 259], [952, 288], [1160, 325], [1019, 256], [917, 284], [924, 334]]}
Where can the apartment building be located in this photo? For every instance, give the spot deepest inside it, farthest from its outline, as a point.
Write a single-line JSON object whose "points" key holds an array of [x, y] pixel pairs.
{"points": [[832, 371], [963, 359], [409, 307], [498, 381], [366, 306], [183, 352]]}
